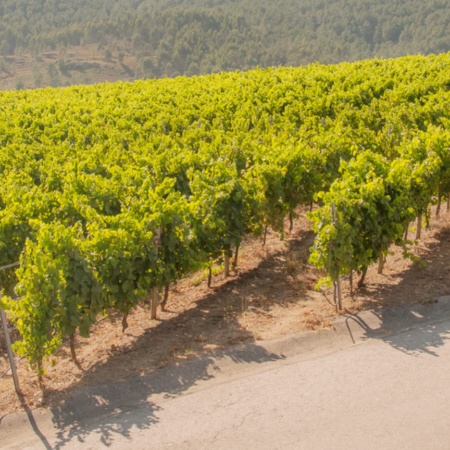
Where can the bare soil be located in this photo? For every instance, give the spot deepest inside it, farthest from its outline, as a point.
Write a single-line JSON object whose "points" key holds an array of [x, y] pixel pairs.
{"points": [[85, 64], [271, 294]]}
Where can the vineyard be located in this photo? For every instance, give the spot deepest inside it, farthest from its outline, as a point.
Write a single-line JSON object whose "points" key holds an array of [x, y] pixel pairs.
{"points": [[113, 193]]}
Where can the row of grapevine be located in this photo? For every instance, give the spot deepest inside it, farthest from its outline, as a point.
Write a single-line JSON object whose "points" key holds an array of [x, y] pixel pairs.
{"points": [[112, 191], [374, 201]]}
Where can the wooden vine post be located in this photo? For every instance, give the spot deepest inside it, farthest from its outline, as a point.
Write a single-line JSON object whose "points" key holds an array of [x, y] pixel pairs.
{"points": [[154, 302], [154, 297], [338, 281], [419, 226], [439, 199], [381, 263], [12, 361], [350, 279], [10, 352], [226, 263]]}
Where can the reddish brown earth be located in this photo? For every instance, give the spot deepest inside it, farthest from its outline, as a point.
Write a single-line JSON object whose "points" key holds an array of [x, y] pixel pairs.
{"points": [[86, 64], [270, 295]]}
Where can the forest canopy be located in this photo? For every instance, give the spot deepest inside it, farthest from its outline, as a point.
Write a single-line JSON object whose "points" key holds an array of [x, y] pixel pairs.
{"points": [[174, 37]]}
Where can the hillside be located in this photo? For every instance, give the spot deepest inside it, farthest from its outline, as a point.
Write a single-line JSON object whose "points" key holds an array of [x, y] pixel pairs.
{"points": [[44, 42], [115, 192]]}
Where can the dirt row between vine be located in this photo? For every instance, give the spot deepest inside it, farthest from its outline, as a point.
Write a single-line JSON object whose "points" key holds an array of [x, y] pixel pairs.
{"points": [[271, 294]]}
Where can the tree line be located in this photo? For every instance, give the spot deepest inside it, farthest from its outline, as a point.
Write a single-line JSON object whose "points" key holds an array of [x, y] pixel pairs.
{"points": [[177, 37]]}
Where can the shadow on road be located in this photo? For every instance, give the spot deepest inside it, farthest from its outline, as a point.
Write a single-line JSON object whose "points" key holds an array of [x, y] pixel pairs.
{"points": [[413, 330], [112, 407], [424, 283], [35, 426], [115, 404]]}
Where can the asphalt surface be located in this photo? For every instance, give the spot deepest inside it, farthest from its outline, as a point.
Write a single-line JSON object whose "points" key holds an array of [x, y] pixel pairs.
{"points": [[378, 380]]}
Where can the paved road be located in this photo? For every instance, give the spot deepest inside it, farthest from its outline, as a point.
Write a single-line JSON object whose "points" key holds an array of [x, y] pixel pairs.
{"points": [[381, 380]]}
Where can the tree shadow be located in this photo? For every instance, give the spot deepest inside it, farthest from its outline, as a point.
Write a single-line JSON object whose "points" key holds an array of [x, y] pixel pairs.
{"points": [[411, 304], [416, 329], [112, 406], [211, 322], [115, 403]]}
